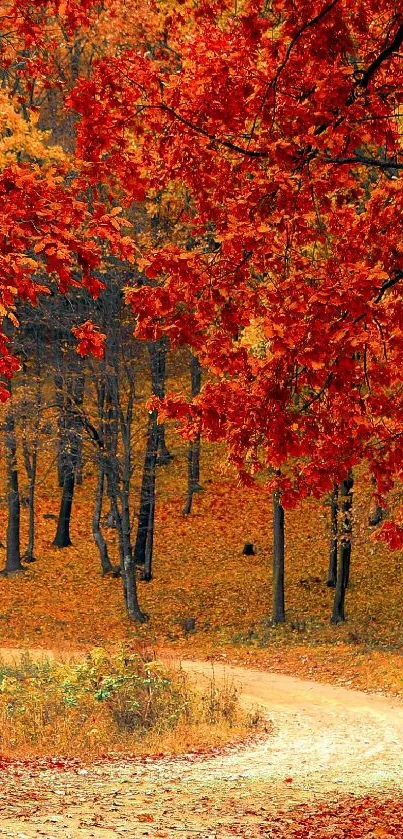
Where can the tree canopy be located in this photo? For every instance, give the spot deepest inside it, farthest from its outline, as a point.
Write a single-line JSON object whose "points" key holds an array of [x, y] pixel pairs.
{"points": [[269, 135]]}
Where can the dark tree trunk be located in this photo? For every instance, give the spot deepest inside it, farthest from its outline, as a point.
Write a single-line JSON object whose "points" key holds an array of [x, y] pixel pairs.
{"points": [[61, 420], [111, 431], [119, 476], [30, 453], [78, 390], [111, 520], [62, 538], [147, 498], [278, 560], [194, 446], [13, 554], [129, 570], [148, 557], [99, 540], [112, 484], [29, 555], [127, 565], [72, 443], [158, 352], [343, 568], [69, 396], [334, 511]]}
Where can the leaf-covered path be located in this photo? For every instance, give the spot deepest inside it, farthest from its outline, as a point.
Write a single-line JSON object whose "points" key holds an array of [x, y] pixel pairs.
{"points": [[327, 744]]}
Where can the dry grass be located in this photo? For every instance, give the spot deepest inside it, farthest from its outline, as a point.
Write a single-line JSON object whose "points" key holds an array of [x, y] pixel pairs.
{"points": [[110, 704]]}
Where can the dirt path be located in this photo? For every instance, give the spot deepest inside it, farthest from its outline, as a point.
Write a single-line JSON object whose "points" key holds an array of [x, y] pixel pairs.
{"points": [[326, 741]]}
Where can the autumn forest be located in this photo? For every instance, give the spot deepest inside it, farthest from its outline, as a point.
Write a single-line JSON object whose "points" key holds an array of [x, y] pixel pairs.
{"points": [[201, 418]]}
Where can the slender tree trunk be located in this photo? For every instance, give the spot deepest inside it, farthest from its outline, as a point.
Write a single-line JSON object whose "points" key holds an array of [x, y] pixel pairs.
{"points": [[99, 540], [61, 420], [133, 606], [343, 568], [72, 445], [29, 555], [128, 568], [62, 538], [30, 453], [147, 496], [334, 510], [13, 554], [119, 483], [111, 432], [112, 484], [194, 446], [148, 558], [158, 352], [278, 560], [78, 391]]}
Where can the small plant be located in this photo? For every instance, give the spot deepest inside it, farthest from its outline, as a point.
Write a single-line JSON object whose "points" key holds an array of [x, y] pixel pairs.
{"points": [[221, 703]]}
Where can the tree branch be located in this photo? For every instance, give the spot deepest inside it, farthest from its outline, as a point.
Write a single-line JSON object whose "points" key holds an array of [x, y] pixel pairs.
{"points": [[308, 25], [383, 56], [363, 159], [272, 84], [388, 284], [199, 130], [318, 395]]}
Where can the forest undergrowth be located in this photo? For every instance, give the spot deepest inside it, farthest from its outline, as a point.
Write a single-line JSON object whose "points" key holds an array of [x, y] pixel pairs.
{"points": [[106, 705]]}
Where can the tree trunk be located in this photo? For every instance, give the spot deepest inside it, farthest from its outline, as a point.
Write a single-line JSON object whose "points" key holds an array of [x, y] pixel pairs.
{"points": [[29, 555], [343, 569], [30, 453], [70, 456], [158, 351], [119, 482], [334, 510], [148, 557], [111, 432], [62, 538], [278, 560], [61, 420], [127, 565], [99, 540], [112, 485], [13, 554], [147, 497], [194, 446], [78, 391]]}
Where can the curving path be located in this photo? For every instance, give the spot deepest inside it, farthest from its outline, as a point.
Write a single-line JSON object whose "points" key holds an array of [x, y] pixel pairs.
{"points": [[325, 741]]}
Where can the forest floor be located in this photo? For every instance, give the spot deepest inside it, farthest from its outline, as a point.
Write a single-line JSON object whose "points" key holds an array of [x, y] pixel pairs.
{"points": [[327, 744], [63, 601]]}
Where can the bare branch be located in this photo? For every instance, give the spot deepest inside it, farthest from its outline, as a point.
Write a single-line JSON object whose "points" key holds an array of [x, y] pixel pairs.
{"points": [[383, 56]]}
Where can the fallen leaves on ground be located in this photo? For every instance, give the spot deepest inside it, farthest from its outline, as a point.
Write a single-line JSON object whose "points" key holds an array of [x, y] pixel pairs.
{"points": [[62, 601], [349, 818]]}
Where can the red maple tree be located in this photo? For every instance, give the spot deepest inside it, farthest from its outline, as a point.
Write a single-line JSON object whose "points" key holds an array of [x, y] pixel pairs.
{"points": [[281, 124]]}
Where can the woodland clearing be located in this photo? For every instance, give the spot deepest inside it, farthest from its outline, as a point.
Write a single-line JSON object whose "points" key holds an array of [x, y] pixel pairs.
{"points": [[63, 602]]}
